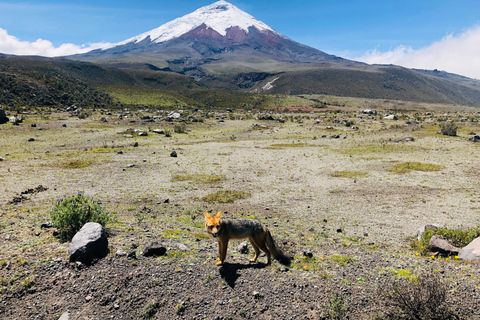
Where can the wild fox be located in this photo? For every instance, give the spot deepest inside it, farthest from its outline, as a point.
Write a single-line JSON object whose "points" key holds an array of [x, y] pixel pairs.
{"points": [[259, 237]]}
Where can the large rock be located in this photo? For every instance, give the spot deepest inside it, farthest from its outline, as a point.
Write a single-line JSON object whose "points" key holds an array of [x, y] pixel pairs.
{"points": [[3, 116], [154, 249], [88, 244], [442, 246], [391, 117], [431, 226], [471, 252]]}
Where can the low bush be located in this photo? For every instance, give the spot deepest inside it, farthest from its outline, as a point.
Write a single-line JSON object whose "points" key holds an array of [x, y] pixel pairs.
{"points": [[458, 238], [69, 214], [420, 298], [448, 128]]}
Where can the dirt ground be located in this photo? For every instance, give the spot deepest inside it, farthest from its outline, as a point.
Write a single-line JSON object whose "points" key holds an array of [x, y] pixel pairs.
{"points": [[323, 182]]}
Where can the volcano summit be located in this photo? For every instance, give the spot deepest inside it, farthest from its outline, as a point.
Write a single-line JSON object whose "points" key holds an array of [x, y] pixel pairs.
{"points": [[217, 34]]}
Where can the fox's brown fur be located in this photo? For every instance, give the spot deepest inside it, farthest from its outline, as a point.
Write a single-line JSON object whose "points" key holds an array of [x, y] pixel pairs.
{"points": [[259, 237]]}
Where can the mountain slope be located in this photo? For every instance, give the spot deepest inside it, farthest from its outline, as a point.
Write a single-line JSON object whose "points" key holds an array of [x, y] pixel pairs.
{"points": [[216, 33]]}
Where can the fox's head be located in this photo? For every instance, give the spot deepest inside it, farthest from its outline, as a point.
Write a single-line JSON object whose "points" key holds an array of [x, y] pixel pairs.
{"points": [[212, 224]]}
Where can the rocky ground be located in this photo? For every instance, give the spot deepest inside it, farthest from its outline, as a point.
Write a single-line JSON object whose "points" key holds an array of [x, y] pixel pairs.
{"points": [[325, 189]]}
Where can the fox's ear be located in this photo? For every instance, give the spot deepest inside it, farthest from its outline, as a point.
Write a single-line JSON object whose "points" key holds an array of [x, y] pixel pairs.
{"points": [[219, 214], [207, 215]]}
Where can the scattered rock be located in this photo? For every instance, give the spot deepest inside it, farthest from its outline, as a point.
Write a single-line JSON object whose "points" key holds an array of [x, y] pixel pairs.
{"points": [[135, 145], [173, 154], [3, 116], [420, 231], [175, 115], [442, 246], [46, 225], [475, 139], [119, 152], [65, 316], [132, 254], [89, 243], [120, 253], [154, 249], [471, 252], [390, 117], [31, 139], [243, 248], [64, 125], [369, 111], [308, 254], [159, 131], [182, 247], [15, 120]]}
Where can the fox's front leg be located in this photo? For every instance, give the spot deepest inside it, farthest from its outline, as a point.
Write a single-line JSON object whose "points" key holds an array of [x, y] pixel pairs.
{"points": [[222, 251]]}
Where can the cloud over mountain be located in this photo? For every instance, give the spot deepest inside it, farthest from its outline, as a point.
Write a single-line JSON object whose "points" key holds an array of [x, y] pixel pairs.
{"points": [[12, 45], [455, 53]]}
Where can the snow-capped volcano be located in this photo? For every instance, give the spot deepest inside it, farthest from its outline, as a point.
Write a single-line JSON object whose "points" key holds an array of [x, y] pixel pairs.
{"points": [[219, 35], [219, 16]]}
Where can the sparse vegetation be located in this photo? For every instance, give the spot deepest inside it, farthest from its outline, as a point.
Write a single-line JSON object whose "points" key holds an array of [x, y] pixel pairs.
{"points": [[415, 166], [336, 306], [448, 128], [456, 237], [198, 178], [348, 174], [424, 298], [69, 214], [225, 196]]}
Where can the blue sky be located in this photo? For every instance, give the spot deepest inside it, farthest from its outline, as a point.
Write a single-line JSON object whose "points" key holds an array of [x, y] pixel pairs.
{"points": [[422, 34]]}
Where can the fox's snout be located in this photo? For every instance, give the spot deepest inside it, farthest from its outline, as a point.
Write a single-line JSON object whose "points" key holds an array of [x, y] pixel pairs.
{"points": [[215, 234]]}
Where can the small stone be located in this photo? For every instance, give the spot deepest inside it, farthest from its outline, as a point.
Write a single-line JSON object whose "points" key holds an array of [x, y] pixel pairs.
{"points": [[88, 298], [243, 248], [135, 145], [64, 316], [182, 247], [116, 306], [132, 254], [64, 125], [173, 154], [120, 152], [308, 254], [31, 139], [120, 253], [154, 249]]}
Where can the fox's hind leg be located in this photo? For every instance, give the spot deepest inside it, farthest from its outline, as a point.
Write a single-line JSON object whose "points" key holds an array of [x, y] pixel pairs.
{"points": [[261, 245], [256, 248]]}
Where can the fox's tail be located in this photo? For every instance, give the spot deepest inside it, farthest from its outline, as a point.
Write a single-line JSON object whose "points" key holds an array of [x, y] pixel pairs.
{"points": [[276, 253]]}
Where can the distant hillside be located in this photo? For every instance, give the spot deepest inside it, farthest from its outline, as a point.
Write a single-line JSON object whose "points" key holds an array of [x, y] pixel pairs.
{"points": [[375, 82], [43, 82]]}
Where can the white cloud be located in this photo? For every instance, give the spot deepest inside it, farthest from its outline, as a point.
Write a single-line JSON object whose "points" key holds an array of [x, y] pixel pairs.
{"points": [[11, 45], [458, 54]]}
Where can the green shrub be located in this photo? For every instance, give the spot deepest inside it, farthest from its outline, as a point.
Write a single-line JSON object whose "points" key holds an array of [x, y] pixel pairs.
{"points": [[448, 128], [69, 214], [458, 238], [225, 196], [180, 128], [336, 306]]}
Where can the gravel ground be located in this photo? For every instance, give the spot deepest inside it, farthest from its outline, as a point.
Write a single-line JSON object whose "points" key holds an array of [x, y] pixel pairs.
{"points": [[333, 197]]}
